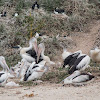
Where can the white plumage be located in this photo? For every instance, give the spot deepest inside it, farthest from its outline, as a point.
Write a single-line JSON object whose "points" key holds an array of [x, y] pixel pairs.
{"points": [[81, 63], [35, 71], [65, 53], [4, 74], [78, 77], [41, 49], [29, 53], [95, 55]]}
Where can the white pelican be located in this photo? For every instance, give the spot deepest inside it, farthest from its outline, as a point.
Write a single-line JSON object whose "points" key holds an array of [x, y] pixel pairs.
{"points": [[4, 74], [70, 60], [41, 49], [20, 68], [81, 63], [35, 71], [78, 77], [23, 68], [95, 55], [29, 53]]}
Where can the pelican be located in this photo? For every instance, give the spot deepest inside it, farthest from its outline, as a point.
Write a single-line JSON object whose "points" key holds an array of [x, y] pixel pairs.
{"points": [[20, 68], [27, 52], [65, 53], [35, 6], [37, 35], [70, 60], [41, 49], [22, 71], [95, 55], [57, 11], [35, 71], [81, 63], [78, 77], [4, 74]]}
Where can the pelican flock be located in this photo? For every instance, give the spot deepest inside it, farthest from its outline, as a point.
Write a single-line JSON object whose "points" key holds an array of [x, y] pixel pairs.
{"points": [[34, 64]]}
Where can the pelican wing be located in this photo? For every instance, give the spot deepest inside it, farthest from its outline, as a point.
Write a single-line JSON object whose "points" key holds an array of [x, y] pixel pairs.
{"points": [[70, 59], [32, 53], [77, 65], [3, 77], [1, 74]]}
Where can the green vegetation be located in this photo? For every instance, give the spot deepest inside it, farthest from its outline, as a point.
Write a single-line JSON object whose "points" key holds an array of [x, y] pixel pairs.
{"points": [[2, 28], [56, 76], [50, 5], [30, 83]]}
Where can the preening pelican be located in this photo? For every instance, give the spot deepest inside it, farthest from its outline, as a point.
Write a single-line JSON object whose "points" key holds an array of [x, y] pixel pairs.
{"points": [[4, 74], [81, 63], [78, 77], [29, 53], [35, 71], [41, 49], [95, 55], [70, 60]]}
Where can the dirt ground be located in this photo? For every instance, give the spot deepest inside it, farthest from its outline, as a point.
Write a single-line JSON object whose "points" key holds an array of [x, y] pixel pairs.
{"points": [[49, 91]]}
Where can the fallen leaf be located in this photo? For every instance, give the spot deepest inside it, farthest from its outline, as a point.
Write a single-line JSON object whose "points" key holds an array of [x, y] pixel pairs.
{"points": [[29, 95]]}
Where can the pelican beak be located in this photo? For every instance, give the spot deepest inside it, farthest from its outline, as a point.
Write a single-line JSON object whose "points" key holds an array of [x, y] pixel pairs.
{"points": [[16, 47], [6, 66], [38, 55], [35, 47]]}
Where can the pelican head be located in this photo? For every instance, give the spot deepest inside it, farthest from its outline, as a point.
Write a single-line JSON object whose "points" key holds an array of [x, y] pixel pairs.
{"points": [[77, 53]]}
